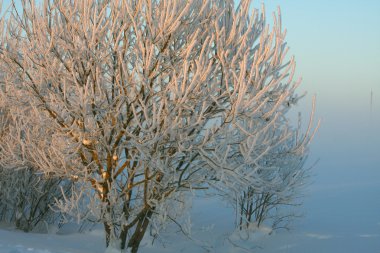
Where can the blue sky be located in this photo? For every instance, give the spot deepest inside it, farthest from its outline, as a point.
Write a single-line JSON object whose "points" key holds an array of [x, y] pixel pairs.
{"points": [[337, 48], [336, 44]]}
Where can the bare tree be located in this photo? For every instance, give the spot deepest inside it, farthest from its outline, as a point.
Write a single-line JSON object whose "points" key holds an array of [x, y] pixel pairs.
{"points": [[147, 100]]}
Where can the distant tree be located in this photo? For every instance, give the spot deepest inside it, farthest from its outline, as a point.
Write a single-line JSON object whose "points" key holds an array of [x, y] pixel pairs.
{"points": [[143, 101]]}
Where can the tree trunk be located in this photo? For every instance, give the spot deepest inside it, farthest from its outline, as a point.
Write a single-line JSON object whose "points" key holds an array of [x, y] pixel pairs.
{"points": [[107, 229], [139, 233], [123, 237]]}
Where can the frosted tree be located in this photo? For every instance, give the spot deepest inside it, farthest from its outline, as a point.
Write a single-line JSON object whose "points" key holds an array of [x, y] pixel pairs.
{"points": [[146, 100]]}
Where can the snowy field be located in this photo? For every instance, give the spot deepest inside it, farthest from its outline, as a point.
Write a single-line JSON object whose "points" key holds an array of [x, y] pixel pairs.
{"points": [[338, 219]]}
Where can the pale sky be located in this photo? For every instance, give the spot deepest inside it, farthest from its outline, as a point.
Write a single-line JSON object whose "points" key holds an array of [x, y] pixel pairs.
{"points": [[336, 44]]}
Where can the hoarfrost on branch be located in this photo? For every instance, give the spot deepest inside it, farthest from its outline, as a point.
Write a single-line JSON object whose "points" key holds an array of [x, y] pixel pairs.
{"points": [[139, 102]]}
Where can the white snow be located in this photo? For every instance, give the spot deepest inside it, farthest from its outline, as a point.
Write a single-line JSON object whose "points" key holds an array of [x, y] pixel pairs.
{"points": [[319, 236]]}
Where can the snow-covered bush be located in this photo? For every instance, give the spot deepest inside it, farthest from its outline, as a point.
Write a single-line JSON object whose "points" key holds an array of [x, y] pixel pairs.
{"points": [[145, 100], [282, 163]]}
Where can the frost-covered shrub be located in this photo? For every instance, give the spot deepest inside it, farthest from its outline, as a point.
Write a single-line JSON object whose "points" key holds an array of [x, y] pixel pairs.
{"points": [[27, 195], [27, 198], [282, 163]]}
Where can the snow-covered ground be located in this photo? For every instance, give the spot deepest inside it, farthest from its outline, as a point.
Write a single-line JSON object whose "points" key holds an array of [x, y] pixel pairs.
{"points": [[350, 223], [12, 241], [338, 219]]}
